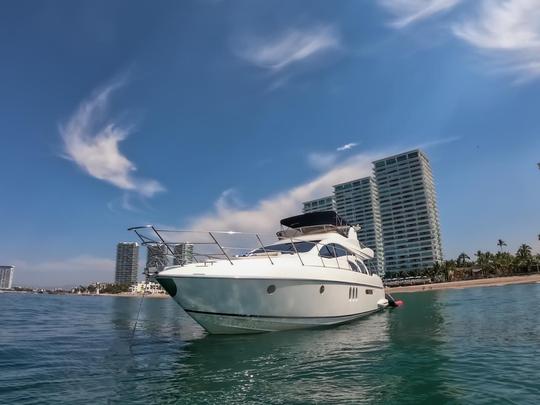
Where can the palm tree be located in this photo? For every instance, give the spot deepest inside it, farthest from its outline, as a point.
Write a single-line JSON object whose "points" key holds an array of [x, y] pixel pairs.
{"points": [[503, 263], [486, 261], [501, 243], [524, 251], [524, 256], [462, 259]]}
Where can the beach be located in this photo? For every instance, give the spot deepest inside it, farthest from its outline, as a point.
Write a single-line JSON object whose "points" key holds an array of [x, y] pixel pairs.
{"points": [[484, 282]]}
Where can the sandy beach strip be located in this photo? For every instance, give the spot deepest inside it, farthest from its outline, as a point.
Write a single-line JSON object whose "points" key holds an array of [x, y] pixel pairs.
{"points": [[484, 282], [123, 295]]}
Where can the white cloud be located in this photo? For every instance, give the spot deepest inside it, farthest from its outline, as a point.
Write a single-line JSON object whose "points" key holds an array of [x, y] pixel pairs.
{"points": [[293, 46], [346, 146], [436, 142], [509, 31], [325, 160], [321, 160], [264, 216], [92, 142], [409, 12]]}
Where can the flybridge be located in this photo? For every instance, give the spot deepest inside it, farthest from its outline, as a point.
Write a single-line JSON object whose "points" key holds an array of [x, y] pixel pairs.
{"points": [[314, 218], [314, 223]]}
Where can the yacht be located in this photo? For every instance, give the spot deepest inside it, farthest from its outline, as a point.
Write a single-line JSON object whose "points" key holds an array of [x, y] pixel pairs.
{"points": [[313, 275]]}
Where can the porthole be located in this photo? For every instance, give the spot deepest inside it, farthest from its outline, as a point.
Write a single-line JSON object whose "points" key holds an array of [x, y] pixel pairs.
{"points": [[369, 292], [321, 290], [271, 289]]}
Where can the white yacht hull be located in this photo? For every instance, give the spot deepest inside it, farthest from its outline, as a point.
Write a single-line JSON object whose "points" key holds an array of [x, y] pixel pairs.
{"points": [[231, 305]]}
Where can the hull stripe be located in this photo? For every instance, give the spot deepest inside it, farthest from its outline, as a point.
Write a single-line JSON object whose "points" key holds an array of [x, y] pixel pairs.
{"points": [[327, 282], [281, 317]]}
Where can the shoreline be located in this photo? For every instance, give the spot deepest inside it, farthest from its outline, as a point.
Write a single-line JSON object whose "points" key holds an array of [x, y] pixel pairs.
{"points": [[128, 295], [482, 282]]}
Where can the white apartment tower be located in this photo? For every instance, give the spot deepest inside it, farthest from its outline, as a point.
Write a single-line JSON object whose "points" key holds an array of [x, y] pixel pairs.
{"points": [[409, 215], [320, 204], [127, 263], [396, 209], [357, 201], [156, 257], [183, 254], [6, 277]]}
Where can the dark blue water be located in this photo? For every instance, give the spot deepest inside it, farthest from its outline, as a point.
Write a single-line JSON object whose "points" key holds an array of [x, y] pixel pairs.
{"points": [[478, 345]]}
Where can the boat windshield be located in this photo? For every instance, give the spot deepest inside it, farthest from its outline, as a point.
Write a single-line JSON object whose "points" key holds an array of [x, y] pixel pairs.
{"points": [[301, 247]]}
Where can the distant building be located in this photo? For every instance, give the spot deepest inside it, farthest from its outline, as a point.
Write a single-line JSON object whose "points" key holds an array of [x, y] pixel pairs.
{"points": [[127, 263], [409, 215], [6, 277], [320, 204], [156, 257], [396, 209], [357, 201], [147, 287], [183, 254]]}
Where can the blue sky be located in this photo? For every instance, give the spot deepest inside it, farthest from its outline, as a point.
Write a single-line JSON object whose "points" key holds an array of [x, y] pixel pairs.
{"points": [[227, 114]]}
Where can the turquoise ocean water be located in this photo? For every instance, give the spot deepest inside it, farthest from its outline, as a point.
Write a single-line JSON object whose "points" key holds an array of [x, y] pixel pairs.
{"points": [[478, 345]]}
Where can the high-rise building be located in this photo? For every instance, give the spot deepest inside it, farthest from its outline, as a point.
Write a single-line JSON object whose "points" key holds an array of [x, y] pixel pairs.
{"points": [[357, 201], [320, 204], [6, 277], [127, 263], [396, 209], [156, 257], [409, 215], [183, 254]]}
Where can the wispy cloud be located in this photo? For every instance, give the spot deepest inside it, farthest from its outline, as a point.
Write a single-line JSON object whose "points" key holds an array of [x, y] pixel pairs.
{"points": [[509, 32], [265, 215], [293, 46], [436, 142], [91, 140], [326, 160], [321, 160], [407, 12], [347, 146]]}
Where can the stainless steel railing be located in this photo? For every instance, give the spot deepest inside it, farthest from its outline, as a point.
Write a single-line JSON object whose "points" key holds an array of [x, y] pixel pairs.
{"points": [[220, 245]]}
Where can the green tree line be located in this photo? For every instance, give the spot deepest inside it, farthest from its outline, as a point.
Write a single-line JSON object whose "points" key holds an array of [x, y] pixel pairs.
{"points": [[482, 265]]}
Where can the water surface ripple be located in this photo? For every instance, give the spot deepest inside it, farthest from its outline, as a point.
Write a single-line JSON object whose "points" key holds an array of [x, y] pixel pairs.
{"points": [[478, 345]]}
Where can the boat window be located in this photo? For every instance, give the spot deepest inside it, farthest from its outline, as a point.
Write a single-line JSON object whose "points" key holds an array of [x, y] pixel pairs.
{"points": [[362, 266], [332, 250], [354, 267], [327, 252], [301, 247], [340, 250]]}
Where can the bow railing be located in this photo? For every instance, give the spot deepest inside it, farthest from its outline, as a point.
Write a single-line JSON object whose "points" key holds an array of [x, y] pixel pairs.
{"points": [[180, 247]]}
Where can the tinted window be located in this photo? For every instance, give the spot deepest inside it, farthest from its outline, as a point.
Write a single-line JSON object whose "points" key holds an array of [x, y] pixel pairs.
{"points": [[340, 250], [327, 251], [301, 247], [354, 267], [362, 267]]}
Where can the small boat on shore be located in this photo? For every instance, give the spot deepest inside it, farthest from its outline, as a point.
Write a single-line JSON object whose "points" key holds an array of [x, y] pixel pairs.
{"points": [[313, 275]]}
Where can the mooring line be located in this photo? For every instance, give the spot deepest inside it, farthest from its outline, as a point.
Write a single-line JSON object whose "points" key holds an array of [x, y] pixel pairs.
{"points": [[137, 319]]}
